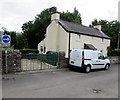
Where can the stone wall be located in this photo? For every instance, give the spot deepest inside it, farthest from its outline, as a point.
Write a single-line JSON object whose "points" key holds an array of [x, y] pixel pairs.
{"points": [[114, 59], [62, 61], [13, 61]]}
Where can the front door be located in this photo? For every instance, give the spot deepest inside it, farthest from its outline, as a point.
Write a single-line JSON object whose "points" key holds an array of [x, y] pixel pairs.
{"points": [[99, 62]]}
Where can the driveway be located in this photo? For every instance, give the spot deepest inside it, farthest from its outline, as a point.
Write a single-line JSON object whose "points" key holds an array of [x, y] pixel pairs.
{"points": [[62, 84]]}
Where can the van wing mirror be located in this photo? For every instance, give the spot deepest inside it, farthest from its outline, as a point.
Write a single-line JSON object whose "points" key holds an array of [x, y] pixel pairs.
{"points": [[105, 57]]}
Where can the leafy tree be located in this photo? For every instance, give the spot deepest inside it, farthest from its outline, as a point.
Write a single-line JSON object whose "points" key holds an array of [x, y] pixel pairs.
{"points": [[111, 29], [28, 32], [74, 17], [35, 30], [13, 39], [21, 41]]}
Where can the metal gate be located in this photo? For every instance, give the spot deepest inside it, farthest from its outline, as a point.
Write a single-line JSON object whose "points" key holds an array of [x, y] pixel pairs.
{"points": [[32, 62], [28, 62]]}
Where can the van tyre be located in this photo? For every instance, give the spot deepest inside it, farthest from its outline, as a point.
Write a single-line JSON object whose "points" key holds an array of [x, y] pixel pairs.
{"points": [[87, 69], [107, 66]]}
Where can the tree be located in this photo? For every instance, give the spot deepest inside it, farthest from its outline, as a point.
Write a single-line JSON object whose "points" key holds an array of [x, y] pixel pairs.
{"points": [[28, 33], [74, 17], [35, 30], [13, 39], [21, 41], [111, 29]]}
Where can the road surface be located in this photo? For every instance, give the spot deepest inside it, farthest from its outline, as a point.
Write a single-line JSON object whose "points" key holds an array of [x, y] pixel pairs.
{"points": [[62, 84]]}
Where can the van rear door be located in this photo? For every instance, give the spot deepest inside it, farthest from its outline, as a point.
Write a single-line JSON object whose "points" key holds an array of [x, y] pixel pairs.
{"points": [[76, 58]]}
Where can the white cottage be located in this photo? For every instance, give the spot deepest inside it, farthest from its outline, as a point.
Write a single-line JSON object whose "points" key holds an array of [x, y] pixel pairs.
{"points": [[64, 36]]}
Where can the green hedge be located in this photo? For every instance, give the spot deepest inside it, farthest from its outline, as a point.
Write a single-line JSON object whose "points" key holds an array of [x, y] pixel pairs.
{"points": [[26, 51], [30, 56], [115, 52]]}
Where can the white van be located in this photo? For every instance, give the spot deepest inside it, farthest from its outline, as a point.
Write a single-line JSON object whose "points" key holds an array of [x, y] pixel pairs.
{"points": [[88, 59]]}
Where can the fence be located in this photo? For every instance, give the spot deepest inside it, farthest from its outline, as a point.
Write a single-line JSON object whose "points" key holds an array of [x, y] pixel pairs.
{"points": [[14, 61], [38, 62]]}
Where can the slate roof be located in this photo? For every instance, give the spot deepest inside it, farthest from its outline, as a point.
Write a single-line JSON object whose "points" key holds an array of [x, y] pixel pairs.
{"points": [[80, 29]]}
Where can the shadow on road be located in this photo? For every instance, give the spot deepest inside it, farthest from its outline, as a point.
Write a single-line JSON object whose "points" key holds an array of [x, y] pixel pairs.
{"points": [[79, 70]]}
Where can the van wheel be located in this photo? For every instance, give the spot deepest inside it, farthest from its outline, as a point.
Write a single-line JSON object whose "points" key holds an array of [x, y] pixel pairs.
{"points": [[107, 66], [87, 69]]}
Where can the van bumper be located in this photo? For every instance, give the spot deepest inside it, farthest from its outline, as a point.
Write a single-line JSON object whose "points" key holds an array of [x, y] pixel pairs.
{"points": [[76, 67]]}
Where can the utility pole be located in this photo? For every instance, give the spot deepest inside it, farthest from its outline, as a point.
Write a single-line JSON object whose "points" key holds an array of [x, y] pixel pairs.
{"points": [[118, 46], [0, 39]]}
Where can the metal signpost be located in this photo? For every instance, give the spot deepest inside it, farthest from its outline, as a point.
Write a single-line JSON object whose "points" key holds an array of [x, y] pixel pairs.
{"points": [[6, 41], [119, 24]]}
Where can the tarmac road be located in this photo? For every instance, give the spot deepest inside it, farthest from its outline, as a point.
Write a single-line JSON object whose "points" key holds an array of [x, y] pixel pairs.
{"points": [[62, 84]]}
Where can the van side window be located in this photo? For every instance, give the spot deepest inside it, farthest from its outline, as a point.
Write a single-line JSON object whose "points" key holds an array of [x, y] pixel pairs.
{"points": [[100, 56]]}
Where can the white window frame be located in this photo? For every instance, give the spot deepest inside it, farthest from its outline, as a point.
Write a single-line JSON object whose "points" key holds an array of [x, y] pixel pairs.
{"points": [[43, 49], [102, 40], [78, 37]]}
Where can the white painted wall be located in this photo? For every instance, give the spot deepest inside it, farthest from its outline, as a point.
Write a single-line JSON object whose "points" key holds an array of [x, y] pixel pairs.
{"points": [[50, 42], [56, 39], [95, 41], [63, 40]]}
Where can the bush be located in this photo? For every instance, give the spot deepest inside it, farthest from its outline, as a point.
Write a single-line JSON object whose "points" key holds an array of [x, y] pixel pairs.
{"points": [[29, 56], [26, 51], [115, 52]]}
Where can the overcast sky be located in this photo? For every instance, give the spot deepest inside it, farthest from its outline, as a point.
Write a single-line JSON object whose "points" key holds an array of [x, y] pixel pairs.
{"points": [[13, 13]]}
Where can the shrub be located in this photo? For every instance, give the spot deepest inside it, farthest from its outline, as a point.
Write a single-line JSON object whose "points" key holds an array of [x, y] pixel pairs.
{"points": [[26, 51], [115, 52]]}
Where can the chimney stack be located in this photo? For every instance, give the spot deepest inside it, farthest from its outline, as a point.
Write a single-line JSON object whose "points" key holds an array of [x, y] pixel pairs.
{"points": [[55, 15], [97, 26]]}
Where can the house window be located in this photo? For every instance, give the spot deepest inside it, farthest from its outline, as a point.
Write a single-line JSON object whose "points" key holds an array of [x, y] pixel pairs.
{"points": [[44, 49], [77, 37], [102, 40], [41, 49]]}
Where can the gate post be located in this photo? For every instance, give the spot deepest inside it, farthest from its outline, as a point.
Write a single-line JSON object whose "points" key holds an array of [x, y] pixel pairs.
{"points": [[58, 61], [6, 71]]}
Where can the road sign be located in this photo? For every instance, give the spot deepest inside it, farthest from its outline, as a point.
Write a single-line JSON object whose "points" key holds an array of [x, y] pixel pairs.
{"points": [[6, 40]]}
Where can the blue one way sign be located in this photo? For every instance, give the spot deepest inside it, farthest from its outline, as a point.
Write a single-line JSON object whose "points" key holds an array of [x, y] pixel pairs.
{"points": [[6, 39]]}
